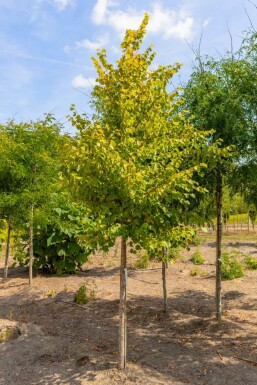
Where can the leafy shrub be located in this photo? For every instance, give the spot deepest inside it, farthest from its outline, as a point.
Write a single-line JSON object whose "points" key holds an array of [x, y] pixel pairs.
{"points": [[231, 267], [83, 295], [57, 248], [142, 261], [197, 258], [250, 262]]}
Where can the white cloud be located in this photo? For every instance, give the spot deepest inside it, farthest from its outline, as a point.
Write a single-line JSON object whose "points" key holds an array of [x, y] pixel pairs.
{"points": [[178, 24], [163, 21], [93, 45], [206, 22], [121, 20], [81, 82], [61, 5], [100, 10]]}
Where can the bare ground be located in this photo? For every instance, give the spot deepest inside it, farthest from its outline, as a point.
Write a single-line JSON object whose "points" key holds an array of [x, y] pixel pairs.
{"points": [[60, 342]]}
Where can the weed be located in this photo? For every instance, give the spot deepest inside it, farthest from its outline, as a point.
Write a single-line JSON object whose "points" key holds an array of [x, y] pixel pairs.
{"points": [[142, 262], [250, 262], [84, 294], [196, 271], [197, 258], [231, 267], [50, 293], [9, 333]]}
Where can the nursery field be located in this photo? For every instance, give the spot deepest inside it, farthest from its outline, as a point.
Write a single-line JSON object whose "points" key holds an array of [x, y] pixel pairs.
{"points": [[53, 340]]}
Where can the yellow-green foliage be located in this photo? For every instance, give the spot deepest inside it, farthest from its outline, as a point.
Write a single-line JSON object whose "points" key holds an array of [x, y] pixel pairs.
{"points": [[142, 261], [231, 267], [196, 271], [84, 294], [197, 258], [250, 262], [9, 333]]}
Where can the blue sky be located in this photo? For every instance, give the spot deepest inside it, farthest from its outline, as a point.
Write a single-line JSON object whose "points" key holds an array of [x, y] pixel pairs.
{"points": [[46, 45]]}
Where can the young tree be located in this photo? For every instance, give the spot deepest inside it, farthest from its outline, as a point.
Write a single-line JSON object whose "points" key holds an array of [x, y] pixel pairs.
{"points": [[135, 162], [217, 99], [12, 181], [34, 162]]}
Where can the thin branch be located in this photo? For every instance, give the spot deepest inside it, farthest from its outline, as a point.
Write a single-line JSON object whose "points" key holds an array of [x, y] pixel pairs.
{"points": [[251, 2], [231, 43], [249, 18]]}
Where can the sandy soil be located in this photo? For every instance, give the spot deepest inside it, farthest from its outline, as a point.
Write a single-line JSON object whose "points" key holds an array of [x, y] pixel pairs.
{"points": [[60, 342]]}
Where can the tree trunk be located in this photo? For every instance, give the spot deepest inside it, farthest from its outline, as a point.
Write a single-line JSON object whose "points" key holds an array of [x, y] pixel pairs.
{"points": [[123, 306], [248, 222], [31, 244], [218, 246], [7, 248], [164, 281]]}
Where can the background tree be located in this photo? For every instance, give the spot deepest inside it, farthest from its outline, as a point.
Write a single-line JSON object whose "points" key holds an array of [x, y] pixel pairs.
{"points": [[30, 172], [12, 183], [217, 100]]}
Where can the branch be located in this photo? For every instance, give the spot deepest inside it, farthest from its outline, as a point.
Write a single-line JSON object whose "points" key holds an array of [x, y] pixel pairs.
{"points": [[249, 18]]}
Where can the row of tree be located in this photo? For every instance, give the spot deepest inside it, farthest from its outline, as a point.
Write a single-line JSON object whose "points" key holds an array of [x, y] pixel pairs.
{"points": [[146, 167]]}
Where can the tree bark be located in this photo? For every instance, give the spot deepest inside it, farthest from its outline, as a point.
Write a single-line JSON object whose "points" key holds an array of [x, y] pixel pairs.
{"points": [[123, 306], [218, 246], [31, 257], [7, 252], [164, 281]]}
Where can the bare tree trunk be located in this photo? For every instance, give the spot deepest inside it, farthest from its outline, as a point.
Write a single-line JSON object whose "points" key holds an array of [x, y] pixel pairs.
{"points": [[164, 281], [248, 222], [123, 306], [31, 244], [7, 252], [218, 246]]}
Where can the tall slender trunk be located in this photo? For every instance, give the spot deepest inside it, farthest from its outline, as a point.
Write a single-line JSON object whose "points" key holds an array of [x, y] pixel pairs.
{"points": [[248, 222], [123, 306], [218, 246], [31, 224], [164, 281], [7, 252]]}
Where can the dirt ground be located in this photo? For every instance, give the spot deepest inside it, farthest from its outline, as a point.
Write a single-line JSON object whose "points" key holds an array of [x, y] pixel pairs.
{"points": [[60, 342]]}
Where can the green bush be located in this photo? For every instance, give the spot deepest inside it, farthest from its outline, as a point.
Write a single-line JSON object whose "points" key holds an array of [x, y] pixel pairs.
{"points": [[142, 261], [250, 262], [83, 295], [231, 267], [57, 247], [197, 258]]}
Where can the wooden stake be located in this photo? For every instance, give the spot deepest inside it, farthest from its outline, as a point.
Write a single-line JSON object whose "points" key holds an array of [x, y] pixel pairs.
{"points": [[7, 248], [164, 281], [218, 246], [123, 306], [31, 244]]}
